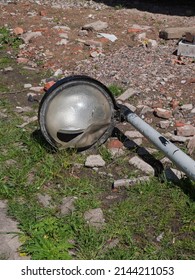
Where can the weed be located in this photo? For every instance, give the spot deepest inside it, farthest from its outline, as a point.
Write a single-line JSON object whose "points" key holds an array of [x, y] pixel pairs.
{"points": [[8, 39], [116, 90]]}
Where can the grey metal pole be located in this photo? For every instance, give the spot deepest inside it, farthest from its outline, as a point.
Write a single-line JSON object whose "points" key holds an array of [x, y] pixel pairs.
{"points": [[178, 157]]}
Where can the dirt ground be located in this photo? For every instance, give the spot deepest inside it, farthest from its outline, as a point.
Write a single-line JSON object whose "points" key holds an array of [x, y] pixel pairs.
{"points": [[64, 46]]}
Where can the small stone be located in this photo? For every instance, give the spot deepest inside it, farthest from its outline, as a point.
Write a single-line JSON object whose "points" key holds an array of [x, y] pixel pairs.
{"points": [[8, 69], [130, 106], [141, 36], [187, 107], [23, 109], [93, 44], [191, 145], [115, 152], [94, 54], [95, 217], [193, 111], [62, 42], [61, 28], [48, 85], [176, 138], [28, 36], [152, 43], [146, 109], [67, 205], [179, 123], [94, 161], [83, 33], [58, 72], [18, 31], [63, 35], [37, 89], [138, 141], [96, 26], [186, 130], [141, 165], [114, 143], [163, 113], [133, 134], [27, 85], [129, 182], [127, 94], [164, 124]]}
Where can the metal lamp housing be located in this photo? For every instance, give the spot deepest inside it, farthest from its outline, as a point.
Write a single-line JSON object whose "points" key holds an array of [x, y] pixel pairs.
{"points": [[76, 112]]}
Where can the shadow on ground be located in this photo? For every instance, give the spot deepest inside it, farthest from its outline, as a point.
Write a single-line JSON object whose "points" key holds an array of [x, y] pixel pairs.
{"points": [[174, 7]]}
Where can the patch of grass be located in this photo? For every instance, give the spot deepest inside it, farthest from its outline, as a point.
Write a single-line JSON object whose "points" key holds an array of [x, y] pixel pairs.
{"points": [[8, 39], [116, 90], [151, 220]]}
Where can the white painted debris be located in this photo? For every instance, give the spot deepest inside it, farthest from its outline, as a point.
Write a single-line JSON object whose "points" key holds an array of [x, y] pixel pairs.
{"points": [[110, 37], [129, 182]]}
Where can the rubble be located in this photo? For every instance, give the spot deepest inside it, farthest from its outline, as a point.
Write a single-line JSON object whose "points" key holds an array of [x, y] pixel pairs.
{"points": [[129, 182], [186, 130], [176, 32], [95, 217], [95, 26], [141, 165], [94, 161]]}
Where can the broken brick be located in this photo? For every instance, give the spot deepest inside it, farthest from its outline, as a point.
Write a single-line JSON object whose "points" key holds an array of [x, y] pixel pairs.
{"points": [[163, 113], [186, 130]]}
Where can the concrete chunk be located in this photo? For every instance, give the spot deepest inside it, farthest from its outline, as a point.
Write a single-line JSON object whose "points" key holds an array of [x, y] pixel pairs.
{"points": [[176, 32], [186, 49], [141, 165]]}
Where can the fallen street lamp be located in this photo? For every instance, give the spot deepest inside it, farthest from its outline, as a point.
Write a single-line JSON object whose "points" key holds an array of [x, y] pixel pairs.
{"points": [[79, 112]]}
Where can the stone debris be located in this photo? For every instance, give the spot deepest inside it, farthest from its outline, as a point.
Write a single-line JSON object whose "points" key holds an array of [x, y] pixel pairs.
{"points": [[187, 107], [141, 165], [164, 124], [67, 205], [133, 134], [127, 94], [96, 26], [129, 182], [191, 145], [94, 161], [163, 113], [8, 69], [62, 42], [28, 36], [18, 31], [95, 218], [176, 138], [9, 240], [186, 130]]}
